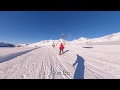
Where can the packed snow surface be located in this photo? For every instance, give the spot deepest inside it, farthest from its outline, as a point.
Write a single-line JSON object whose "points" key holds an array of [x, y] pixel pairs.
{"points": [[77, 62]]}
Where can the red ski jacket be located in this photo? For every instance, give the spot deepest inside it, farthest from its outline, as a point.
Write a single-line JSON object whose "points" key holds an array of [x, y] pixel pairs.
{"points": [[61, 47]]}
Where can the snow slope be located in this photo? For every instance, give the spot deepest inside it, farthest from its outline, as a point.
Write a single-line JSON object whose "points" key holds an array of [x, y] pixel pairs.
{"points": [[81, 40], [9, 56], [7, 50], [99, 59], [108, 39], [97, 62], [112, 39], [48, 43]]}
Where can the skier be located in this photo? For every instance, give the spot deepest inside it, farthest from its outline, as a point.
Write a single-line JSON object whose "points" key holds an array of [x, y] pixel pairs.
{"points": [[61, 49], [53, 44]]}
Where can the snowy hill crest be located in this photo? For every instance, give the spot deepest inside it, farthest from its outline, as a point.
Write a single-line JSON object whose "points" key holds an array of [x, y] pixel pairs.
{"points": [[107, 38], [81, 40]]}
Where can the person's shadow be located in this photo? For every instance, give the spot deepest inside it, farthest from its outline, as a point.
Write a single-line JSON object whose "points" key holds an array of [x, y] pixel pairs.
{"points": [[79, 72], [65, 51]]}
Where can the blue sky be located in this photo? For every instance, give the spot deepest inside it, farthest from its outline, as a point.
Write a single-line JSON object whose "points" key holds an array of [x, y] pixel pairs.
{"points": [[34, 26]]}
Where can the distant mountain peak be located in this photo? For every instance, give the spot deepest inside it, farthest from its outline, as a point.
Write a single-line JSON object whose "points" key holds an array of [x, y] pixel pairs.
{"points": [[2, 44], [106, 38], [81, 40]]}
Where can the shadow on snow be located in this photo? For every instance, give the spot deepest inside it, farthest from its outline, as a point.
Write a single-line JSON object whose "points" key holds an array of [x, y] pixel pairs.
{"points": [[79, 72], [13, 55]]}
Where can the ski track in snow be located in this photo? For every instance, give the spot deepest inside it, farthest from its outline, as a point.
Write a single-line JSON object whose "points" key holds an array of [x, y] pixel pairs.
{"points": [[9, 50], [7, 57], [100, 62]]}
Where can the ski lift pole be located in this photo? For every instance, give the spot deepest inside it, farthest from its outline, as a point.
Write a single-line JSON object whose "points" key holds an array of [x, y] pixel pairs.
{"points": [[62, 35]]}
